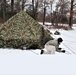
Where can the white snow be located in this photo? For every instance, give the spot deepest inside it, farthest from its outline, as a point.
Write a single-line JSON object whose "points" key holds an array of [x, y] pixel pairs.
{"points": [[69, 40]]}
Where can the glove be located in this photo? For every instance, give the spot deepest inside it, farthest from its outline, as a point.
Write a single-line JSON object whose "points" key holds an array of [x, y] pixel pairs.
{"points": [[42, 51], [63, 51], [59, 48]]}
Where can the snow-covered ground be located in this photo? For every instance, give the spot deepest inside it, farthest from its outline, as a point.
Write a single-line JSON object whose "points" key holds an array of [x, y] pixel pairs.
{"points": [[16, 61], [69, 40]]}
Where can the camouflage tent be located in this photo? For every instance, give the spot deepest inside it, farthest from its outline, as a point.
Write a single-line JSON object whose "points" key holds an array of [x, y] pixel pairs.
{"points": [[22, 30]]}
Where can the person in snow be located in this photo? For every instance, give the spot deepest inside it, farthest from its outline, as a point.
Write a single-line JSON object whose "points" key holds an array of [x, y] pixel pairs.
{"points": [[52, 46]]}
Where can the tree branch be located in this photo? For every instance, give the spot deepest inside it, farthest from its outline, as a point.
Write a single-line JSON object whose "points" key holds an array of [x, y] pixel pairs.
{"points": [[74, 4]]}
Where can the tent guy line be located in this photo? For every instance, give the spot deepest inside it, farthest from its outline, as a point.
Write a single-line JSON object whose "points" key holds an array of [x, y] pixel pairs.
{"points": [[69, 36], [69, 49], [34, 52]]}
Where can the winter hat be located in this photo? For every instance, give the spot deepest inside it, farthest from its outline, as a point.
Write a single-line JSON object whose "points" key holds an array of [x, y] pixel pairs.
{"points": [[60, 39]]}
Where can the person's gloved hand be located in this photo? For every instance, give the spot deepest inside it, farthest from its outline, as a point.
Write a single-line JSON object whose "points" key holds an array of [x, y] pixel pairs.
{"points": [[42, 51], [63, 51], [59, 48]]}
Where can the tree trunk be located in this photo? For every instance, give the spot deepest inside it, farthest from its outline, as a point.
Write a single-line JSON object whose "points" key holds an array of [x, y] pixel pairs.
{"points": [[44, 15], [71, 14], [33, 4], [23, 4], [52, 20], [4, 10], [35, 10], [12, 7], [52, 16]]}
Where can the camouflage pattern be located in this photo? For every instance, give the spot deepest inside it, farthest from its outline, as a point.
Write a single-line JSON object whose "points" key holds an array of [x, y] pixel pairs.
{"points": [[22, 30]]}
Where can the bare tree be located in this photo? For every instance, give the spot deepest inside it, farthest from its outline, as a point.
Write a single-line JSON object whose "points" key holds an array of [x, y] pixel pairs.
{"points": [[61, 7], [23, 4], [45, 5], [12, 7], [71, 14], [33, 5], [51, 4], [34, 8], [1, 2], [17, 5], [44, 12], [4, 10]]}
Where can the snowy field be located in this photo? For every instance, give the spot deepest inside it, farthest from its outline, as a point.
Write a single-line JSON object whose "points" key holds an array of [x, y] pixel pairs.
{"points": [[16, 61], [69, 40]]}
